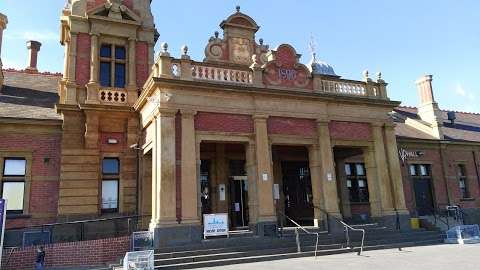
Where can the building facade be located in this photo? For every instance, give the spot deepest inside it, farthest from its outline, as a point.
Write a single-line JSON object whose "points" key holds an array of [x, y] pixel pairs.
{"points": [[249, 131]]}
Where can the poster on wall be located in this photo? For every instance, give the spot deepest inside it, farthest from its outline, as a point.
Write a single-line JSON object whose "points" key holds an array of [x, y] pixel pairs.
{"points": [[215, 225]]}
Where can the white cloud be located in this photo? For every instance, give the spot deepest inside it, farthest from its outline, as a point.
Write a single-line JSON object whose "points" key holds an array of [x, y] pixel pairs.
{"points": [[38, 36], [466, 98], [460, 90]]}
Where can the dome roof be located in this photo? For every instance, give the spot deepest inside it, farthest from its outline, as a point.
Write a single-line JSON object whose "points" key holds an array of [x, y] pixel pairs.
{"points": [[320, 67]]}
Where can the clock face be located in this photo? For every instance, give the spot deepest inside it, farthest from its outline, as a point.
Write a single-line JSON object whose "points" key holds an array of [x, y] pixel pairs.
{"points": [[240, 51]]}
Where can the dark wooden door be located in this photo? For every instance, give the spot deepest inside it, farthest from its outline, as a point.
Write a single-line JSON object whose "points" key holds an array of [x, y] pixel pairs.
{"points": [[423, 196], [297, 188]]}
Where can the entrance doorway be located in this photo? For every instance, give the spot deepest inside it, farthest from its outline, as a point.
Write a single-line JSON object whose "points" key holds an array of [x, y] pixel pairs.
{"points": [[297, 188], [291, 170], [422, 186], [238, 195], [224, 182]]}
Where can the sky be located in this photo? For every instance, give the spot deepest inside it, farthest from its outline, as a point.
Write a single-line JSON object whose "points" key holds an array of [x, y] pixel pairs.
{"points": [[403, 39]]}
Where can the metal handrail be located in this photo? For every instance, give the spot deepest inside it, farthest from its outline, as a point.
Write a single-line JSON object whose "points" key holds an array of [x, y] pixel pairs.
{"points": [[346, 228], [298, 226]]}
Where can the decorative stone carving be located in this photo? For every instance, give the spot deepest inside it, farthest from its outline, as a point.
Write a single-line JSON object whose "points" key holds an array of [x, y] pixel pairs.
{"points": [[284, 69]]}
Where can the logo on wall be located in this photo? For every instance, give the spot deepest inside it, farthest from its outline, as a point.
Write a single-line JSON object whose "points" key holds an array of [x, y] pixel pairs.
{"points": [[406, 154]]}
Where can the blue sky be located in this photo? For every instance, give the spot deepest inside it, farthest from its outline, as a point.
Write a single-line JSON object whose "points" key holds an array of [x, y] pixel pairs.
{"points": [[402, 39]]}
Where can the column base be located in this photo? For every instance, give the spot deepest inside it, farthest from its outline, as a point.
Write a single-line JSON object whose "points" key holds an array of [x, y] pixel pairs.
{"points": [[395, 222], [265, 228], [177, 235]]}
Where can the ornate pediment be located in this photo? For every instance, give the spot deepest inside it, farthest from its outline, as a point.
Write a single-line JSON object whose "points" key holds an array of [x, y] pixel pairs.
{"points": [[284, 69], [115, 9], [238, 44]]}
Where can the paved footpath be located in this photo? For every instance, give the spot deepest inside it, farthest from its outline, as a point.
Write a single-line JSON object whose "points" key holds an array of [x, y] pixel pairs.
{"points": [[440, 257]]}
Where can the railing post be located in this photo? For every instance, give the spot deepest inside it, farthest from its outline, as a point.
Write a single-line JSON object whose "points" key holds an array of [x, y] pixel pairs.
{"points": [[163, 66], [297, 240], [185, 65]]}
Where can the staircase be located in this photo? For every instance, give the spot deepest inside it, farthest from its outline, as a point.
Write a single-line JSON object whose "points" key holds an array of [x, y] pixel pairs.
{"points": [[440, 223], [219, 252]]}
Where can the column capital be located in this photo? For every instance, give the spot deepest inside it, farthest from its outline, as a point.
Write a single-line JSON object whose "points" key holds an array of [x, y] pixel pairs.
{"points": [[186, 113], [165, 112], [132, 39], [94, 34], [322, 122], [377, 124], [260, 117]]}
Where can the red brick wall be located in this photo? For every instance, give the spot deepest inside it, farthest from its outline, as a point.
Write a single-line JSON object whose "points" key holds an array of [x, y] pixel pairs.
{"points": [[85, 253], [43, 193], [83, 59], [291, 126], [106, 147], [350, 130], [223, 122], [142, 63], [462, 156]]}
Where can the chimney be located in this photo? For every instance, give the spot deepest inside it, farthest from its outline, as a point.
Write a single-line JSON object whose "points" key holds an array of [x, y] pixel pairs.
{"points": [[3, 25], [428, 110], [33, 48]]}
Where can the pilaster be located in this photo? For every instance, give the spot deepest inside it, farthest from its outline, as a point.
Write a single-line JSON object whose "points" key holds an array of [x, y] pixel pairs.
{"points": [[266, 208], [93, 86], [327, 172], [163, 170], [382, 169], [394, 168], [316, 179], [189, 187]]}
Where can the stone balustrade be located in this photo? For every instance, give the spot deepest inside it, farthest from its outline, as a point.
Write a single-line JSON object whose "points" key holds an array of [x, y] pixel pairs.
{"points": [[112, 96], [186, 69], [217, 74]]}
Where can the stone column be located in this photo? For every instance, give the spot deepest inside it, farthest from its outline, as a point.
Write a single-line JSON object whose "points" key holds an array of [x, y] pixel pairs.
{"points": [[316, 178], [132, 82], [383, 177], [327, 175], [372, 181], [251, 169], [69, 69], [266, 208], [163, 179], [189, 170], [92, 86], [395, 170]]}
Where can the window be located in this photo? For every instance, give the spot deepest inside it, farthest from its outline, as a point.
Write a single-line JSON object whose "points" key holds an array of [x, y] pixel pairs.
{"points": [[112, 66], [357, 182], [13, 184], [420, 170], [110, 181], [462, 181]]}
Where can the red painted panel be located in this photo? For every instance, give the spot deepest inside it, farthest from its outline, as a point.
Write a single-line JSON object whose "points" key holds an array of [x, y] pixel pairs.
{"points": [[291, 126], [223, 122], [350, 130]]}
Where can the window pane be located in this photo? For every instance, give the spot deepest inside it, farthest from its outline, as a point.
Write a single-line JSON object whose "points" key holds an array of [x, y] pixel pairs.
{"points": [[362, 183], [348, 170], [110, 194], [120, 75], [106, 51], [462, 183], [413, 170], [359, 168], [349, 183], [423, 170], [14, 167], [110, 166], [13, 192], [461, 170], [105, 71], [120, 53]]}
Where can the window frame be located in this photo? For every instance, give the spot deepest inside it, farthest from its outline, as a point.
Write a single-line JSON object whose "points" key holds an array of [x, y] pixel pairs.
{"points": [[113, 61], [357, 194], [110, 177], [26, 178], [462, 175]]}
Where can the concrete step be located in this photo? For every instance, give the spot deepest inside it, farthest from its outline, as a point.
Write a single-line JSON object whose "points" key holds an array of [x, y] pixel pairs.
{"points": [[286, 254], [233, 255]]}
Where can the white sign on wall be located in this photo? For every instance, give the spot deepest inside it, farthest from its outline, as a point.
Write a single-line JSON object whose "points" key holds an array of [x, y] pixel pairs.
{"points": [[215, 225]]}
